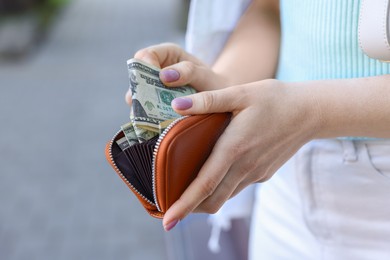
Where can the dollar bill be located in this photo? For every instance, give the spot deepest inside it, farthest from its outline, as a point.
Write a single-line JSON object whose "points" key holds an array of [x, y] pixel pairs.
{"points": [[141, 133], [130, 134], [151, 99], [123, 143], [163, 125]]}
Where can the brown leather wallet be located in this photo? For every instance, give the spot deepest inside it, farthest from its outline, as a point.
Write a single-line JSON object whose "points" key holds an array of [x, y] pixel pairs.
{"points": [[160, 169]]}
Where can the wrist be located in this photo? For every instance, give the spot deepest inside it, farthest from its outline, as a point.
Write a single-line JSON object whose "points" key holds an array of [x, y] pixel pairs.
{"points": [[351, 107], [345, 107], [310, 119]]}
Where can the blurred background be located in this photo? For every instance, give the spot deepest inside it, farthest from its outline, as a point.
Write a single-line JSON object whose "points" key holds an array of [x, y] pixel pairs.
{"points": [[63, 78]]}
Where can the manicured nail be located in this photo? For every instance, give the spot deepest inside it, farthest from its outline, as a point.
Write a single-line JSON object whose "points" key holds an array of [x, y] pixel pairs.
{"points": [[182, 103], [169, 75], [171, 225]]}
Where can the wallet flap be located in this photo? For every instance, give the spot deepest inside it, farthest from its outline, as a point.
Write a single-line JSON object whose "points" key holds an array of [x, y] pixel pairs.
{"points": [[182, 152]]}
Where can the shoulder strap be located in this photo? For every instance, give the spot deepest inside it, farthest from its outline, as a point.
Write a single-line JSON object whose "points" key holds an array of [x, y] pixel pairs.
{"points": [[373, 31]]}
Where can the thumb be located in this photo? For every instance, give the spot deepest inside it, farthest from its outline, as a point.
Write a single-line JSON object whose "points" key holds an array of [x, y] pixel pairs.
{"points": [[189, 73], [217, 101]]}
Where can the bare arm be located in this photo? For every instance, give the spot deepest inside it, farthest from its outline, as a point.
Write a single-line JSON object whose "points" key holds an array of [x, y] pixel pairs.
{"points": [[351, 107], [278, 118], [251, 52], [271, 119]]}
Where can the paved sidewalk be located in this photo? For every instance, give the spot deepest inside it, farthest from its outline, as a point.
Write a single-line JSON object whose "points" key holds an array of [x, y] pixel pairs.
{"points": [[59, 199]]}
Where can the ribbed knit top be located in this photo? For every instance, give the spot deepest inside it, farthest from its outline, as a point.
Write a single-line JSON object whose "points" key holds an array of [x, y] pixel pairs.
{"points": [[320, 41]]}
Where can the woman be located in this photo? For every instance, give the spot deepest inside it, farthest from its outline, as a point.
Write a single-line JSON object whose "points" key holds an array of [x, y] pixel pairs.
{"points": [[302, 95]]}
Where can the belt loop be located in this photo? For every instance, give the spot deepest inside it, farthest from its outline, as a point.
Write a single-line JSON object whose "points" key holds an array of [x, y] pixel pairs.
{"points": [[349, 151]]}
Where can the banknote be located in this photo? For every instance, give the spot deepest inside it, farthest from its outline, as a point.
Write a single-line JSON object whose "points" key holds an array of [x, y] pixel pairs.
{"points": [[130, 134], [123, 143], [151, 99], [141, 133], [163, 125]]}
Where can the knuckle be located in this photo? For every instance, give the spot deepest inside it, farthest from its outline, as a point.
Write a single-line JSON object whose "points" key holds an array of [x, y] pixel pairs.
{"points": [[128, 98], [186, 209], [237, 150], [188, 67], [214, 202], [209, 187], [209, 207], [149, 52], [170, 45], [263, 179], [262, 175], [249, 167], [212, 209], [208, 99], [266, 178], [142, 53]]}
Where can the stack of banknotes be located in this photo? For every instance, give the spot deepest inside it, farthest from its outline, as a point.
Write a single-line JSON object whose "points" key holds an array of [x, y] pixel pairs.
{"points": [[151, 109]]}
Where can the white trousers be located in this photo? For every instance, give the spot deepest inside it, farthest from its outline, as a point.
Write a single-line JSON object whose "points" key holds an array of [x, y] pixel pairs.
{"points": [[330, 201]]}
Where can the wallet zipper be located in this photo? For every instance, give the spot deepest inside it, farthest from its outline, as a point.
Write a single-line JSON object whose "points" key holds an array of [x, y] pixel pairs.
{"points": [[123, 177], [156, 147]]}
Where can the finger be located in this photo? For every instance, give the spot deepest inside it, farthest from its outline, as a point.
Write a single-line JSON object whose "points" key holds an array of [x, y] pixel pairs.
{"points": [[243, 171], [245, 182], [190, 73], [164, 54], [221, 194], [239, 188], [217, 101], [128, 97], [156, 55], [209, 177], [234, 182]]}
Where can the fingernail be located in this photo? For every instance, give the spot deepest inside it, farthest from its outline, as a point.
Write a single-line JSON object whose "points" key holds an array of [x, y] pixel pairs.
{"points": [[182, 103], [171, 225], [169, 75]]}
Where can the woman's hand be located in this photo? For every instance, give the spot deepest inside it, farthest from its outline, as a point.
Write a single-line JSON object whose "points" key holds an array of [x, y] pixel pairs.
{"points": [[270, 122], [180, 68]]}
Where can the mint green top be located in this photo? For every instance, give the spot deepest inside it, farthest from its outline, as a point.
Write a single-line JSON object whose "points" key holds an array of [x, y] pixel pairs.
{"points": [[320, 41]]}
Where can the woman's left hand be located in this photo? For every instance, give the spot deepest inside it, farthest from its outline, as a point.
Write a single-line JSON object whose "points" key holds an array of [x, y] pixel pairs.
{"points": [[270, 122]]}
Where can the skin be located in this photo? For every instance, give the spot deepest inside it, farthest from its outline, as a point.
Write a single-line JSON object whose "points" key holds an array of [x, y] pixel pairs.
{"points": [[271, 119]]}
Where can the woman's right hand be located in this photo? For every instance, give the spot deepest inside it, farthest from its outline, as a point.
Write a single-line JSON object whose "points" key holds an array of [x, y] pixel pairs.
{"points": [[180, 68]]}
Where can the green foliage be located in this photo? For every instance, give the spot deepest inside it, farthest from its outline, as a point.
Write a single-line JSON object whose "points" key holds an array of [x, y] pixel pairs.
{"points": [[48, 10], [56, 3]]}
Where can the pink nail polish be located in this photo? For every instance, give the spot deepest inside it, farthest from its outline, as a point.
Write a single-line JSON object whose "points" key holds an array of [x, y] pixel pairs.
{"points": [[171, 225], [182, 103], [169, 75]]}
